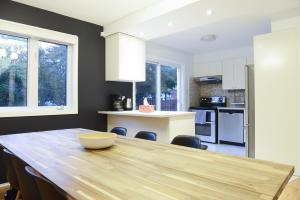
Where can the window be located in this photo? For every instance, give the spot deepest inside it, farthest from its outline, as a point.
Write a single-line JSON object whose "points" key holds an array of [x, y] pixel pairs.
{"points": [[160, 88], [38, 71]]}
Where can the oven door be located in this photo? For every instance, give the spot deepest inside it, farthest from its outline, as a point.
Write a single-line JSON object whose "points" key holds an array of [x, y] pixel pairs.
{"points": [[206, 125]]}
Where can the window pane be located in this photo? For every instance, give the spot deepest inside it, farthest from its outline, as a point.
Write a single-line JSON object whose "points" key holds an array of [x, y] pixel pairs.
{"points": [[52, 74], [147, 88], [168, 97], [13, 70]]}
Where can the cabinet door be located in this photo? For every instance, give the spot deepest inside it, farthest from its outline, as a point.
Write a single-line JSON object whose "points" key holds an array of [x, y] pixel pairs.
{"points": [[200, 69], [228, 82], [239, 73], [214, 68]]}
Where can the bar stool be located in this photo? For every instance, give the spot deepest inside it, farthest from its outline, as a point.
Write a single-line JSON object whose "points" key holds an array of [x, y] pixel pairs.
{"points": [[188, 141], [119, 130], [28, 187], [146, 135], [47, 190], [14, 192]]}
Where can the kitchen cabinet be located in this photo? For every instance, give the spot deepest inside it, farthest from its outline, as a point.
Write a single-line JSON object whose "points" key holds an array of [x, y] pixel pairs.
{"points": [[124, 58], [208, 69], [234, 77]]}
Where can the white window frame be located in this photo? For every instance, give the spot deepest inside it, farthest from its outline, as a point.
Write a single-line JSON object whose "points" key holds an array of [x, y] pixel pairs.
{"points": [[35, 34], [159, 63]]}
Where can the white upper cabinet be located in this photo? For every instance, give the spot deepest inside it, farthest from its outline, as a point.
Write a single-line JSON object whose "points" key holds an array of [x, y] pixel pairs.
{"points": [[234, 77], [228, 82], [125, 58], [240, 74], [208, 69]]}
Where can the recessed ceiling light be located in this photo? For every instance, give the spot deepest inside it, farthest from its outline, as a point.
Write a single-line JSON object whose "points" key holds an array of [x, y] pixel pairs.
{"points": [[208, 38], [170, 24], [142, 33], [209, 12]]}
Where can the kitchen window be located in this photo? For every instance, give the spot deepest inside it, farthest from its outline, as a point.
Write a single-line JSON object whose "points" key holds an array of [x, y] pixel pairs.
{"points": [[161, 87], [38, 71]]}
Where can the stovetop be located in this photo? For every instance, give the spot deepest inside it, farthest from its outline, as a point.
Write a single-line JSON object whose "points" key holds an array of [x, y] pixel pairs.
{"points": [[211, 103]]}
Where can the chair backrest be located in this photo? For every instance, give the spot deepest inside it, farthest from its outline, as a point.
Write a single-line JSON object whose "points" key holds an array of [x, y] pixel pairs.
{"points": [[147, 135], [9, 169], [119, 131], [187, 141], [28, 187], [47, 190]]}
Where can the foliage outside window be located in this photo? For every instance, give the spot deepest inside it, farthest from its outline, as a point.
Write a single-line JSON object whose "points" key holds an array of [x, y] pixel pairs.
{"points": [[52, 74], [13, 71]]}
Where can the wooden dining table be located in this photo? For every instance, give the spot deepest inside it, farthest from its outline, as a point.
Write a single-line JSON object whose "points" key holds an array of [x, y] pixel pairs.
{"points": [[135, 169]]}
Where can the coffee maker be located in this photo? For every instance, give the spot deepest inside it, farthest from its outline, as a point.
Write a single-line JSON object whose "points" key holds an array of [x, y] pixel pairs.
{"points": [[117, 102], [120, 103]]}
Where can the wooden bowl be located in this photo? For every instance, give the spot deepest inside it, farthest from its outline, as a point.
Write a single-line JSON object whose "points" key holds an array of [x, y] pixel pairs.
{"points": [[97, 140]]}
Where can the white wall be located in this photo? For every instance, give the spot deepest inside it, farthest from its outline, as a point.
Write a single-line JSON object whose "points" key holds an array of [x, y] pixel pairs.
{"points": [[242, 52], [285, 23], [155, 52], [277, 91], [277, 64]]}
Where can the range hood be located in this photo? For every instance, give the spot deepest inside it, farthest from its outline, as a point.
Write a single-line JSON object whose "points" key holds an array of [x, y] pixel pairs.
{"points": [[209, 79]]}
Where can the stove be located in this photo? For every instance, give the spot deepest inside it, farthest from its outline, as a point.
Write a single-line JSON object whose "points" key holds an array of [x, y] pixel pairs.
{"points": [[206, 118]]}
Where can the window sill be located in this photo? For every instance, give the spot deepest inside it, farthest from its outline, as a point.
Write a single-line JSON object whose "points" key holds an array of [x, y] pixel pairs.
{"points": [[26, 112]]}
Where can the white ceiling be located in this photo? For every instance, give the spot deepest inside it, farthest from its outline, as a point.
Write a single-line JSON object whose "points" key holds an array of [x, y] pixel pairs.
{"points": [[194, 15], [231, 33], [99, 12], [235, 22]]}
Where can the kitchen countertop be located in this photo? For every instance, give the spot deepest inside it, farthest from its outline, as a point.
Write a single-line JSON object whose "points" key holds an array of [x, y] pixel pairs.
{"points": [[230, 108], [157, 114]]}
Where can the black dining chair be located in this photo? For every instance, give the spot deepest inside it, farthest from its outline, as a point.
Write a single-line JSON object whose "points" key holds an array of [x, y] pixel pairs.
{"points": [[14, 191], [47, 190], [119, 131], [146, 135], [189, 141], [28, 187]]}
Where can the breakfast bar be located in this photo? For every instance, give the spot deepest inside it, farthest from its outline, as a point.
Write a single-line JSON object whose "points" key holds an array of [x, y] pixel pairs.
{"points": [[166, 124]]}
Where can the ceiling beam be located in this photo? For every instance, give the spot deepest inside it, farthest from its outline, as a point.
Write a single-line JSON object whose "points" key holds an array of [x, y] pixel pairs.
{"points": [[144, 15]]}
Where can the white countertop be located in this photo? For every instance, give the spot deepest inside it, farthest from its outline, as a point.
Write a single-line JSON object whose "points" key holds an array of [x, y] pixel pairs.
{"points": [[231, 108], [157, 114]]}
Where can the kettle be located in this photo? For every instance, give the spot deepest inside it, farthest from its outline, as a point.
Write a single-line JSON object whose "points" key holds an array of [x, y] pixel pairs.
{"points": [[128, 104]]}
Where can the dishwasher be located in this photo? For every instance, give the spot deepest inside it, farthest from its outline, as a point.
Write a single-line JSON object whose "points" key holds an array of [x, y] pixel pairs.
{"points": [[231, 126]]}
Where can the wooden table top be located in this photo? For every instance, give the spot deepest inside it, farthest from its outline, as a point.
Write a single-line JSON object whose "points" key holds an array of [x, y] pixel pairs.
{"points": [[135, 169]]}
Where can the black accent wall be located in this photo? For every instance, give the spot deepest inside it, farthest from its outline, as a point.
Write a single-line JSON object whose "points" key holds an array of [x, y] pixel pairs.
{"points": [[93, 90]]}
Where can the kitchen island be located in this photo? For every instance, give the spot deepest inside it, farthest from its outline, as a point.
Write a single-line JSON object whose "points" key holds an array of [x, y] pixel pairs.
{"points": [[166, 124]]}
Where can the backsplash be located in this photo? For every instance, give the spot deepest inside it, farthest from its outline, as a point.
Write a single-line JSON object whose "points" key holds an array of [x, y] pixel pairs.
{"points": [[200, 90]]}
